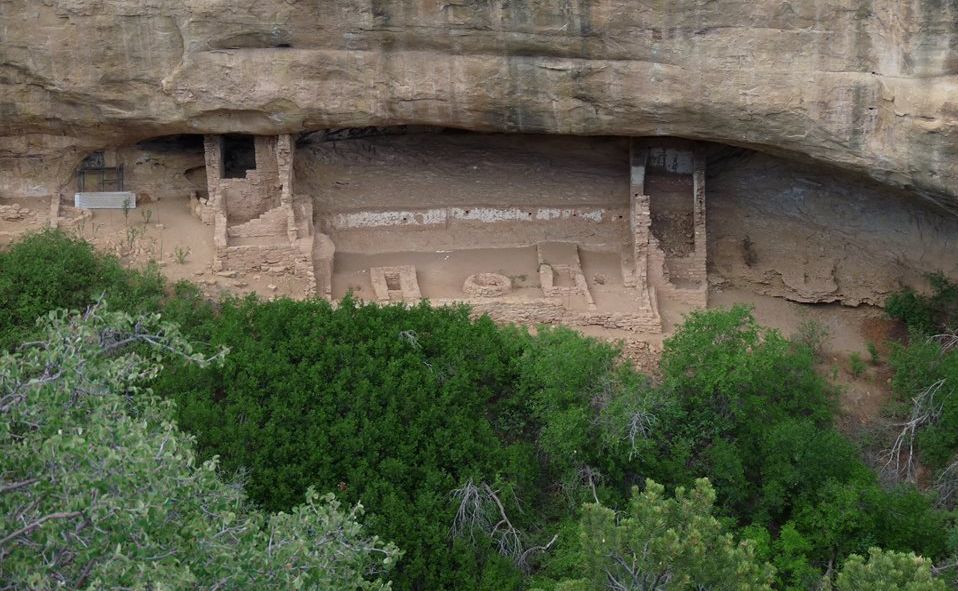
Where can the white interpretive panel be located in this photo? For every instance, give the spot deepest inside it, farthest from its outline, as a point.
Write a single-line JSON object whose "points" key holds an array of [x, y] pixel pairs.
{"points": [[105, 200]]}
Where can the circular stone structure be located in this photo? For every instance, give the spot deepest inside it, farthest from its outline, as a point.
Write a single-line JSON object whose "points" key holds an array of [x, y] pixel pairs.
{"points": [[487, 285]]}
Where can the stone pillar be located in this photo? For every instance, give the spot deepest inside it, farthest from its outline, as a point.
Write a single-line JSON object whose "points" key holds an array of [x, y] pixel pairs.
{"points": [[213, 149], [640, 218], [285, 151], [698, 219], [265, 146]]}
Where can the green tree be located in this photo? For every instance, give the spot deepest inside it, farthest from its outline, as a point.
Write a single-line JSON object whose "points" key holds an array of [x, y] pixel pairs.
{"points": [[664, 543], [393, 407], [99, 489], [888, 571]]}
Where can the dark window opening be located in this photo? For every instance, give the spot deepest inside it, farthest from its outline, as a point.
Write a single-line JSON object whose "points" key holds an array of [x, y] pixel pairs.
{"points": [[239, 155]]}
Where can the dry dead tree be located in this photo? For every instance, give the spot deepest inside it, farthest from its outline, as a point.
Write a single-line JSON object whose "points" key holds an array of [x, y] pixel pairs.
{"points": [[480, 509], [900, 460], [590, 476], [947, 486], [639, 428], [948, 340], [586, 477]]}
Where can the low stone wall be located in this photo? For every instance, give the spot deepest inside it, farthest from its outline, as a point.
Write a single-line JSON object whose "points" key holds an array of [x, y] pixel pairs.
{"points": [[201, 208], [690, 268], [277, 259], [543, 311], [436, 231], [368, 219]]}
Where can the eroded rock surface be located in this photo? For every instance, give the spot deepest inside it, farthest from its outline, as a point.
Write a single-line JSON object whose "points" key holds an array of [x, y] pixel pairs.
{"points": [[810, 234], [867, 85]]}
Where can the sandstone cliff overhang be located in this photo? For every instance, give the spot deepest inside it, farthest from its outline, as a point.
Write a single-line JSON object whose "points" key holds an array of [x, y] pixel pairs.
{"points": [[867, 86]]}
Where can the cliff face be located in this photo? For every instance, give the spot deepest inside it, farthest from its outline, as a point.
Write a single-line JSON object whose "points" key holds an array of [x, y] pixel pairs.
{"points": [[868, 85]]}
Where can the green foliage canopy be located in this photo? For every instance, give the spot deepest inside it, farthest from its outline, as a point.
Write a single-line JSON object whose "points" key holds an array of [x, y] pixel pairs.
{"points": [[400, 408], [666, 543], [99, 489]]}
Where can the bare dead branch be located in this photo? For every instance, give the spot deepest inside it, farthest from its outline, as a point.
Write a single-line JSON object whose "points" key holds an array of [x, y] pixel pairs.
{"points": [[11, 486], [34, 525], [948, 340], [900, 461], [524, 557], [947, 486], [481, 510]]}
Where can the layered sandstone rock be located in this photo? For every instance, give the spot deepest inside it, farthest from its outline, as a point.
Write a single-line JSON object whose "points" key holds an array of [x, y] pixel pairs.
{"points": [[869, 85]]}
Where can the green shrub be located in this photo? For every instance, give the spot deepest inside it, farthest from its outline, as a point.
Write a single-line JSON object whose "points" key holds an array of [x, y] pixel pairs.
{"points": [[656, 540], [888, 571], [49, 270], [873, 353], [927, 314], [814, 335], [922, 365], [389, 405], [756, 419], [856, 364], [101, 490]]}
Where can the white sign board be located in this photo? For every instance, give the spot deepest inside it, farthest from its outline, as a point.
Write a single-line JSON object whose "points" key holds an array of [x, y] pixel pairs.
{"points": [[105, 200]]}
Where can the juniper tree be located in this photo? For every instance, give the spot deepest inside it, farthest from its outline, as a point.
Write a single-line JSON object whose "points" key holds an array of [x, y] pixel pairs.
{"points": [[99, 488]]}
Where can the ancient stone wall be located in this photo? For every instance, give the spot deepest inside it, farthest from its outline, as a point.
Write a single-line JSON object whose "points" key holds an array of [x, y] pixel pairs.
{"points": [[279, 259], [552, 312]]}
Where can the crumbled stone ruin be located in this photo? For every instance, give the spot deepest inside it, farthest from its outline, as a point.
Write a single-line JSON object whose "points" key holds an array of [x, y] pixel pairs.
{"points": [[258, 224], [477, 228], [624, 235]]}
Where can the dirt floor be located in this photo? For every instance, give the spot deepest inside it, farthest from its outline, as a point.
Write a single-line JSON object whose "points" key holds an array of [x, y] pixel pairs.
{"points": [[165, 232], [19, 216]]}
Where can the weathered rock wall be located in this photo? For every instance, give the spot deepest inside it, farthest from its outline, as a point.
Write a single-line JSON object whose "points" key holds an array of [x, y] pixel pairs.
{"points": [[810, 234], [870, 85]]}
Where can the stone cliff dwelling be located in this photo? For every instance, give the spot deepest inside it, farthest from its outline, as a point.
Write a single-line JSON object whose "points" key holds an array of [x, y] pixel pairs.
{"points": [[618, 236], [293, 150], [581, 249]]}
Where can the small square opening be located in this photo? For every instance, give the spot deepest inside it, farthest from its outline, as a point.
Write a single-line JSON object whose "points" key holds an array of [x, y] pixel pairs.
{"points": [[392, 281]]}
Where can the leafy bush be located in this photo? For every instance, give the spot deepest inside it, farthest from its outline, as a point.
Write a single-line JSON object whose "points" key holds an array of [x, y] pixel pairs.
{"points": [[400, 407], [873, 353], [926, 377], [390, 405], [888, 571], [856, 364], [756, 419], [99, 488], [49, 270], [814, 335], [926, 314], [663, 543]]}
